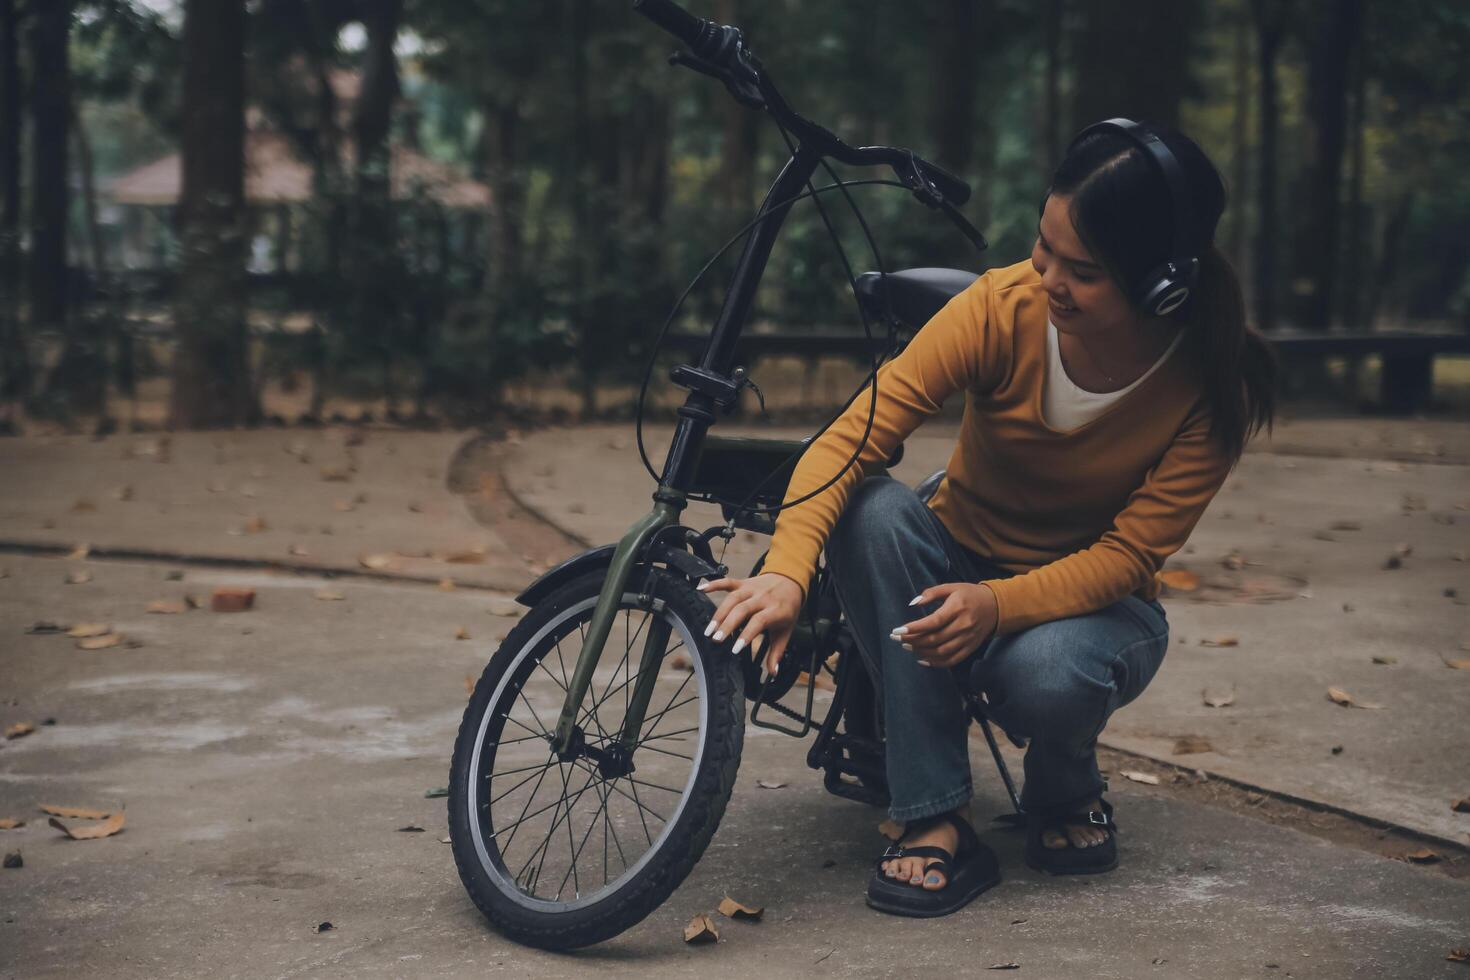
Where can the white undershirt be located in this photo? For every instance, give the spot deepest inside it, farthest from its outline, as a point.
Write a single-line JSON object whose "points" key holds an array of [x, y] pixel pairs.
{"points": [[1064, 406]]}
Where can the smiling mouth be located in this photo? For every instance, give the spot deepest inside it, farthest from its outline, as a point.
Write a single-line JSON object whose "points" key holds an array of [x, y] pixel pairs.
{"points": [[1064, 308]]}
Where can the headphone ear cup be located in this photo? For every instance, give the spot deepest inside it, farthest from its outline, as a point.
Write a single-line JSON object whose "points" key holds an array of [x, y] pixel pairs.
{"points": [[1166, 288]]}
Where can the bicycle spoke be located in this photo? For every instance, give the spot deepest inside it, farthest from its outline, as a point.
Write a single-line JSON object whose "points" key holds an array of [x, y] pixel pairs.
{"points": [[506, 846], [678, 755], [640, 782], [656, 738], [518, 785], [660, 715]]}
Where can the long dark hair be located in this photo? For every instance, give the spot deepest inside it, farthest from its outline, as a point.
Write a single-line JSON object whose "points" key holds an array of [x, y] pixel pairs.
{"points": [[1123, 212]]}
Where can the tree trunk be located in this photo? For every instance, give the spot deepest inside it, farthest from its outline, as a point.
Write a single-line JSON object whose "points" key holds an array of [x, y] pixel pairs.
{"points": [[1336, 35], [1132, 62], [50, 98], [1270, 17], [1352, 292], [582, 231], [371, 235], [15, 367], [1051, 121], [211, 372], [736, 191], [1240, 171]]}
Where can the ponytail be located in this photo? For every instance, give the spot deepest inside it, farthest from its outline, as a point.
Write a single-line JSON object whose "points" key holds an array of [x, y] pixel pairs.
{"points": [[1239, 366]]}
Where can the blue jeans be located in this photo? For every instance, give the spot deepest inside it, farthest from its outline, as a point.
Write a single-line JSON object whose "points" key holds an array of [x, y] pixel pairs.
{"points": [[1055, 683]]}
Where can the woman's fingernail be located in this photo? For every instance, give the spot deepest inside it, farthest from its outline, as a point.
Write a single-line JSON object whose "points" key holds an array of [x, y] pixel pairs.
{"points": [[907, 647], [710, 628], [719, 635], [899, 631], [765, 676], [917, 599], [701, 586], [739, 644]]}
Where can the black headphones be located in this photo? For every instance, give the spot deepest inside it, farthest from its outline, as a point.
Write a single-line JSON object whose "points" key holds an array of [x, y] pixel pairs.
{"points": [[1165, 288]]}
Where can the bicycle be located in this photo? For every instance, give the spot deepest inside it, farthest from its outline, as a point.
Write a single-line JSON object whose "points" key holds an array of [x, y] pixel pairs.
{"points": [[660, 780]]}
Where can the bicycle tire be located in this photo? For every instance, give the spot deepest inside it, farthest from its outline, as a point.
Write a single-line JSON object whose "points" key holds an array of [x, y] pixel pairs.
{"points": [[530, 919]]}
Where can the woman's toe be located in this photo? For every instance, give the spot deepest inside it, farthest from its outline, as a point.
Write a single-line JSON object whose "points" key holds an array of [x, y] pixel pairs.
{"points": [[933, 881], [1053, 840]]}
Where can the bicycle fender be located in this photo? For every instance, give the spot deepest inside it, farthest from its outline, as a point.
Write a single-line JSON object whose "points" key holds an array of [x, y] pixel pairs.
{"points": [[692, 566]]}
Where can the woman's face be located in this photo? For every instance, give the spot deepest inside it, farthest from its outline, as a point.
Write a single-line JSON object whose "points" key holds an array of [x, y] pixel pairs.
{"points": [[1083, 298]]}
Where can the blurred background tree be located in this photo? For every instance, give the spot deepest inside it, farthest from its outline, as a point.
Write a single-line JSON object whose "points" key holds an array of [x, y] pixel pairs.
{"points": [[217, 211]]}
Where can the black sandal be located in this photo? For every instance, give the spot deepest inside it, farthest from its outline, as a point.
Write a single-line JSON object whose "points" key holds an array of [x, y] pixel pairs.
{"points": [[1072, 860], [969, 871]]}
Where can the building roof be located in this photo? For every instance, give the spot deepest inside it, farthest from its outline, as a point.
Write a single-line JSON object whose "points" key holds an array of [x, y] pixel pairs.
{"points": [[274, 174]]}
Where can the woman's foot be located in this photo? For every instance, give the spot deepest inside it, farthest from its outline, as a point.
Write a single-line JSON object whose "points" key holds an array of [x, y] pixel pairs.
{"points": [[925, 833], [1079, 835]]}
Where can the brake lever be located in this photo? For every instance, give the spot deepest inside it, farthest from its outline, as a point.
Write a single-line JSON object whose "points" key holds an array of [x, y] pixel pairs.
{"points": [[927, 192], [745, 87]]}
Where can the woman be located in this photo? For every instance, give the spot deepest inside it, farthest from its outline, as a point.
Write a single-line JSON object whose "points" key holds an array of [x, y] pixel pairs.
{"points": [[1110, 385]]}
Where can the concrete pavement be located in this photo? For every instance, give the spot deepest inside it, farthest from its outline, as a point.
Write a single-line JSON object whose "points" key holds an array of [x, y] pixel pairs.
{"points": [[267, 759]]}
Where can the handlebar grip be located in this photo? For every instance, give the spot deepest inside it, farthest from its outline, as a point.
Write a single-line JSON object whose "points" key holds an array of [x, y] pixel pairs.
{"points": [[956, 190], [672, 18]]}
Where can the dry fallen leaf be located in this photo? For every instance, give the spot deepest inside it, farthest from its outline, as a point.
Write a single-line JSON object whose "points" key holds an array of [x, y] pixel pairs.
{"points": [[1422, 856], [345, 506], [78, 576], [375, 562], [461, 634], [227, 599], [1225, 640], [679, 662], [1458, 956], [19, 729], [770, 784], [1345, 526], [469, 685], [1214, 699], [1461, 806], [1191, 744], [89, 629], [10, 823], [446, 584], [1338, 696], [80, 551], [464, 557], [106, 828], [102, 642], [1179, 580], [1386, 661], [735, 910], [701, 929], [1139, 777], [1458, 664], [168, 607], [327, 595], [256, 524], [298, 551], [74, 812], [336, 474]]}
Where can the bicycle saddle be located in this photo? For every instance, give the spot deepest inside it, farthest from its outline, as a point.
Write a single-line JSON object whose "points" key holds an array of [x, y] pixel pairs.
{"points": [[915, 294]]}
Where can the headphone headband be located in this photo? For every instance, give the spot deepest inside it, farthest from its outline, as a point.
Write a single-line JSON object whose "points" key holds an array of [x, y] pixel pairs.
{"points": [[1168, 286]]}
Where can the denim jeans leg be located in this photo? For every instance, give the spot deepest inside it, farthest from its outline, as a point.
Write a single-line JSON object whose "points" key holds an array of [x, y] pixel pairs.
{"points": [[1057, 683], [884, 550]]}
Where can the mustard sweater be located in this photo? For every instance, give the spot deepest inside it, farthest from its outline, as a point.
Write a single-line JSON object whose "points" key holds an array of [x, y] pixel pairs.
{"points": [[1083, 517]]}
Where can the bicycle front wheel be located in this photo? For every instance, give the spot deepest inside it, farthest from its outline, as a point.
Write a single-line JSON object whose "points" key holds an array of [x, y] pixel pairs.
{"points": [[561, 852]]}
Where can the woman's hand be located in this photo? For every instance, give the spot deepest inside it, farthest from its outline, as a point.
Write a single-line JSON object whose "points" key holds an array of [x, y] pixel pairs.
{"points": [[762, 604], [956, 629]]}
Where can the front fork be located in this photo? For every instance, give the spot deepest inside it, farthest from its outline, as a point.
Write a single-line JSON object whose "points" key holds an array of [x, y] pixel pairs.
{"points": [[567, 739]]}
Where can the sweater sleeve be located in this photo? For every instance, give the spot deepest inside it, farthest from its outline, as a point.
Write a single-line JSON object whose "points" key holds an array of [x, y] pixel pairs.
{"points": [[956, 349], [1155, 523]]}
